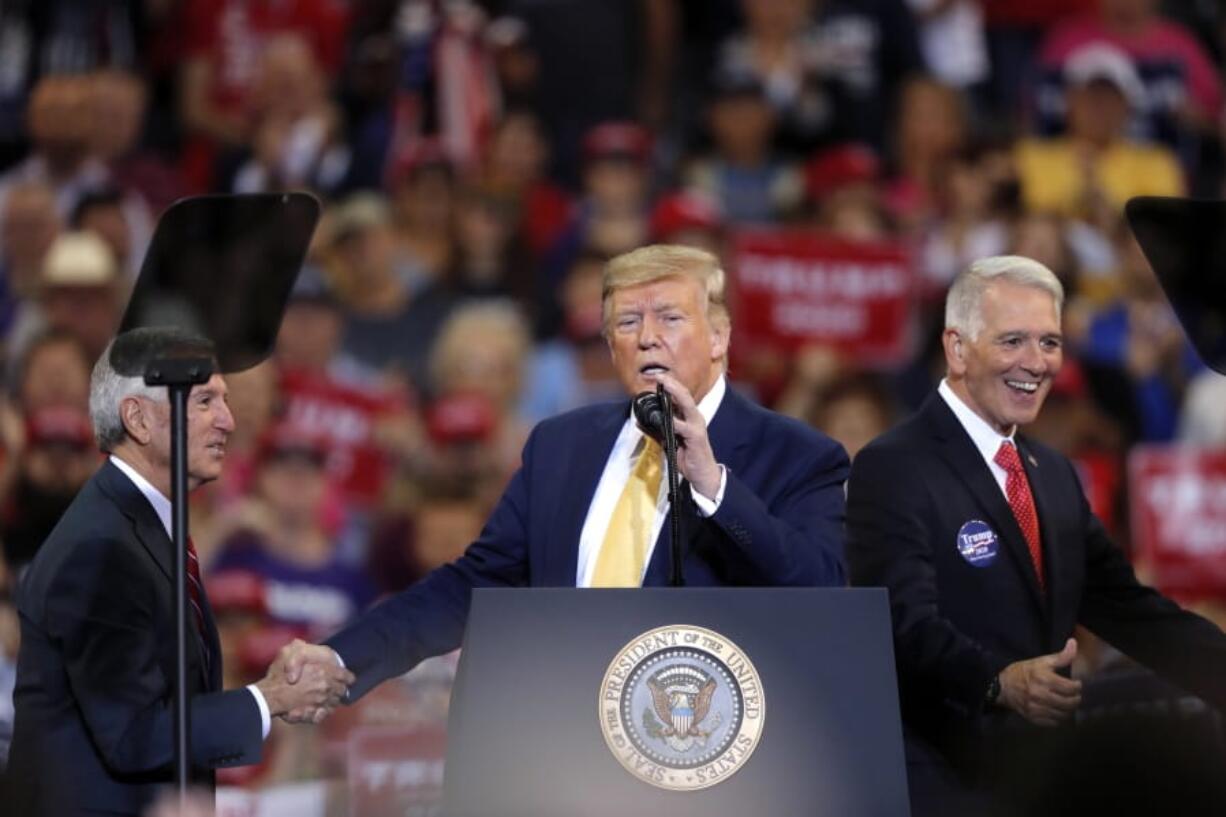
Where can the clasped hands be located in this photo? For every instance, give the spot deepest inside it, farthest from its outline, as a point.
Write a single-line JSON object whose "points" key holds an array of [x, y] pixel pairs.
{"points": [[305, 683], [1036, 690]]}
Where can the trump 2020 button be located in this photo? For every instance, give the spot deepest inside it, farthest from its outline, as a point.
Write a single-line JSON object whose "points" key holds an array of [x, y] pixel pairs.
{"points": [[977, 543]]}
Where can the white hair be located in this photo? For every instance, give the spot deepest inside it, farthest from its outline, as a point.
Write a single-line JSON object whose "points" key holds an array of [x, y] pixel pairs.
{"points": [[962, 305], [107, 389]]}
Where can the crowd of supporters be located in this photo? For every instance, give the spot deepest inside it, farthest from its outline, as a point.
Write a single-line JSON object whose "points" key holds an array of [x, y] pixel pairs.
{"points": [[478, 162]]}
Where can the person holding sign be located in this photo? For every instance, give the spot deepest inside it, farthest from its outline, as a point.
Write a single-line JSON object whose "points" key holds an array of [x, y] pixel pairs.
{"points": [[992, 556]]}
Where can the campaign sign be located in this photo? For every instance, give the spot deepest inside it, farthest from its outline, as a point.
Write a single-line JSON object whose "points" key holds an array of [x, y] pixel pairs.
{"points": [[345, 415], [791, 288], [1179, 516], [396, 771], [1101, 474]]}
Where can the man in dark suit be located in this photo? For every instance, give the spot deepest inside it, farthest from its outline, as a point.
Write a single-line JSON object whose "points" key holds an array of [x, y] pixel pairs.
{"points": [[763, 494], [992, 555], [95, 672]]}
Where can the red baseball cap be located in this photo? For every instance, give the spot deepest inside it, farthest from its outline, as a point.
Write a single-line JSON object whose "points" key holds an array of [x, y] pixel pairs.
{"points": [[460, 417], [681, 211], [237, 591], [837, 167], [282, 441], [1070, 381], [415, 156], [60, 424], [260, 647], [617, 140]]}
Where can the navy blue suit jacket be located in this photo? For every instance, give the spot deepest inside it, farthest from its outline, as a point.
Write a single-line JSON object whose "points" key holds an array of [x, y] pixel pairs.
{"points": [[780, 523], [957, 625], [95, 674]]}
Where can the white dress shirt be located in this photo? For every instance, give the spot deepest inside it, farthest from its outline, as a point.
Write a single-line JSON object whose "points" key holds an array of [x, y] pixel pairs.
{"points": [[161, 506], [613, 480], [985, 438]]}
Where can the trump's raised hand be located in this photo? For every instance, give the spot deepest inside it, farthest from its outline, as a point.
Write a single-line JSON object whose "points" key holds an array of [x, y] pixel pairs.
{"points": [[695, 459]]}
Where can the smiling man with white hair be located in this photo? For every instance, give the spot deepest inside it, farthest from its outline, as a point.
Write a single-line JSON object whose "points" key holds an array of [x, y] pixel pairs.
{"points": [[992, 556]]}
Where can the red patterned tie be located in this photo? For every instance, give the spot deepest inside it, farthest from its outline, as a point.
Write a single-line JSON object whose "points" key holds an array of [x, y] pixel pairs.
{"points": [[1017, 488], [195, 589]]}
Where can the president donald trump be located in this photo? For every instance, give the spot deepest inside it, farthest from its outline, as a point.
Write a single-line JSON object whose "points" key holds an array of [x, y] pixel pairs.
{"points": [[761, 497]]}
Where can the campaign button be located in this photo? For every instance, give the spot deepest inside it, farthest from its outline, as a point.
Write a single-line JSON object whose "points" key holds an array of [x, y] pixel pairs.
{"points": [[978, 543]]}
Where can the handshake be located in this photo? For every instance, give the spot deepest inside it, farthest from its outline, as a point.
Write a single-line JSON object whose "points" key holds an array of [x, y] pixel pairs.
{"points": [[305, 684]]}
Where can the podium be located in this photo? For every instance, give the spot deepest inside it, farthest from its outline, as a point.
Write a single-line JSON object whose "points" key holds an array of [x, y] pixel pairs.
{"points": [[683, 702]]}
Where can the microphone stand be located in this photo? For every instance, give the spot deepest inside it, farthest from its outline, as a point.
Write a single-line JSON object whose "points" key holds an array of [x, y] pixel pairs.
{"points": [[178, 376], [676, 578]]}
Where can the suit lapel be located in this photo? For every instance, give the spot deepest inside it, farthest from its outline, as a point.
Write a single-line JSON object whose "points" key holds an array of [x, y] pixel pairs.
{"points": [[145, 523], [213, 667], [959, 452], [149, 531], [585, 463], [1044, 505], [728, 431]]}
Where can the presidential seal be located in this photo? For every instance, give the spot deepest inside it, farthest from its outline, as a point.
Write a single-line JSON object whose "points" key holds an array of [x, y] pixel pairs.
{"points": [[682, 707]]}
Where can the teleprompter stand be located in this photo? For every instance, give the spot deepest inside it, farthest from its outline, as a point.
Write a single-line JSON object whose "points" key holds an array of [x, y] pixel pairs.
{"points": [[178, 376], [221, 267]]}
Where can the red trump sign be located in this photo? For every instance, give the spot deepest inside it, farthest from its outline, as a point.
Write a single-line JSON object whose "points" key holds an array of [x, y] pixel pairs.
{"points": [[1179, 516], [791, 288]]}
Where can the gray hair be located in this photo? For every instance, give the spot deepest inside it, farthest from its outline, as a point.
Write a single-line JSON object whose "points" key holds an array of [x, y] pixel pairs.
{"points": [[119, 374], [962, 305], [107, 389]]}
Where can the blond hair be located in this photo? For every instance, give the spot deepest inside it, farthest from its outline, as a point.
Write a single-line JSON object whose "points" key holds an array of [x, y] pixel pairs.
{"points": [[657, 261], [488, 324]]}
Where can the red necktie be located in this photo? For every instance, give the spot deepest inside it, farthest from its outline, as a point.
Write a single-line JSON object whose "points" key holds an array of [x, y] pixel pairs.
{"points": [[1017, 489], [195, 590]]}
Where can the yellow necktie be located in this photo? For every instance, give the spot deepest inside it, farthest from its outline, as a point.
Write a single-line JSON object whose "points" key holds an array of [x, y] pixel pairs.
{"points": [[624, 550]]}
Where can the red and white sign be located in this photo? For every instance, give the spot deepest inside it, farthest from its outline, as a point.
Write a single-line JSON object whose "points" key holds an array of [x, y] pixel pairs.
{"points": [[1100, 474], [396, 771], [345, 416], [1179, 516], [792, 288]]}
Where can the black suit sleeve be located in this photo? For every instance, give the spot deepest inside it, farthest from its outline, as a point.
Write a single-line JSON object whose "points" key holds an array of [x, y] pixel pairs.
{"points": [[428, 618], [889, 545], [101, 610], [1144, 624]]}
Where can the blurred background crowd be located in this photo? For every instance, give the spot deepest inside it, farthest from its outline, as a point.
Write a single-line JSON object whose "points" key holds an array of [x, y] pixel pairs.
{"points": [[478, 162]]}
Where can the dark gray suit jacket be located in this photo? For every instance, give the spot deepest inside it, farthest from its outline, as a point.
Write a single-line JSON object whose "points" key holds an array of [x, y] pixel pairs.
{"points": [[957, 624], [95, 675]]}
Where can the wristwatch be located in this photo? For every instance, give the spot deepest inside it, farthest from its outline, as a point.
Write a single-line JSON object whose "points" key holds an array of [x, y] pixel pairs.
{"points": [[993, 692]]}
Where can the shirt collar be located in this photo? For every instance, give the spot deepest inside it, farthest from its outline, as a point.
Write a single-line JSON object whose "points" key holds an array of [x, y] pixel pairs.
{"points": [[161, 505], [710, 402], [985, 438]]}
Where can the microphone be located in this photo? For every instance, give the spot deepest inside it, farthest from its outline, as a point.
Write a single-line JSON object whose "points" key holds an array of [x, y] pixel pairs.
{"points": [[650, 410], [654, 413]]}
